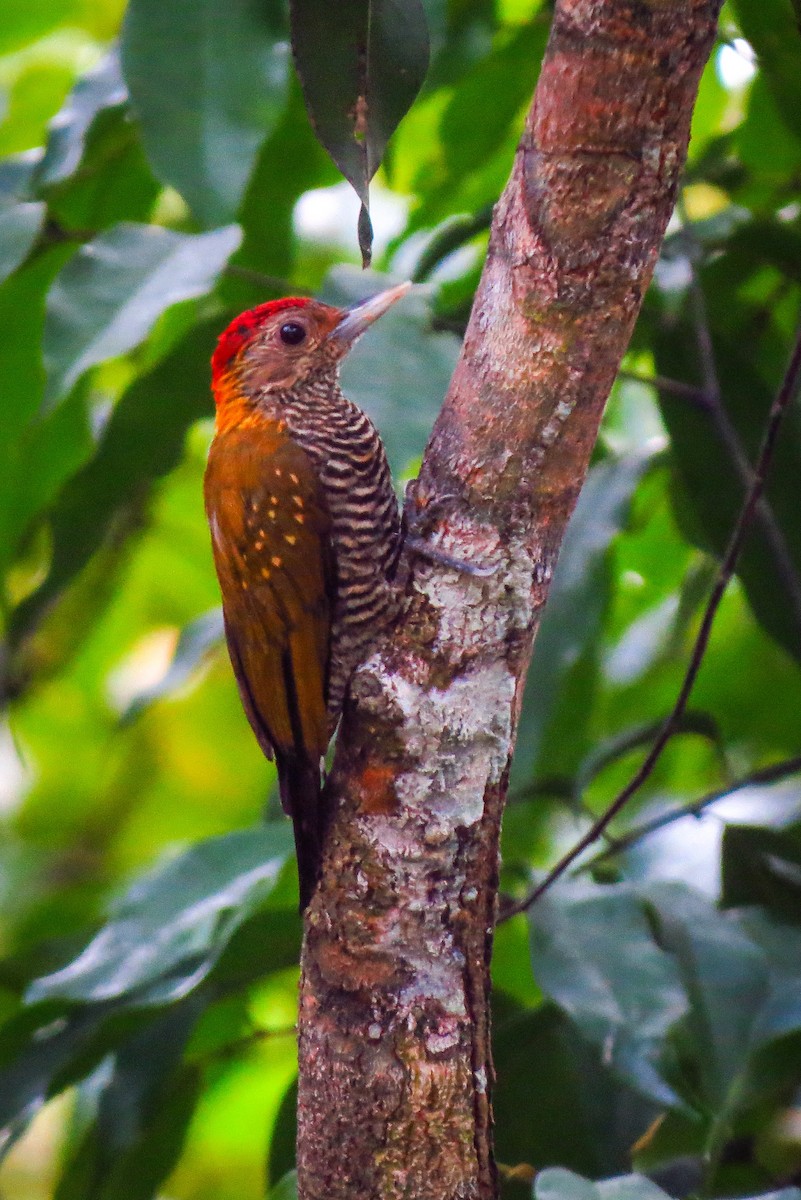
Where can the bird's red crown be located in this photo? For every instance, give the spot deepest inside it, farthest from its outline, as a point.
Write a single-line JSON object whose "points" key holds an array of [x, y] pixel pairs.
{"points": [[243, 327]]}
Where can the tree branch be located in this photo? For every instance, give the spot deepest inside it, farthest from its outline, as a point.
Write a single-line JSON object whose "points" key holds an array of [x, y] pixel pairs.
{"points": [[670, 387], [394, 1048], [781, 403], [265, 283], [618, 845]]}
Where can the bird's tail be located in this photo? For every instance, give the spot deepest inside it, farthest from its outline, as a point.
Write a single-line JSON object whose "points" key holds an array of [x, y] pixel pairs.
{"points": [[301, 798]]}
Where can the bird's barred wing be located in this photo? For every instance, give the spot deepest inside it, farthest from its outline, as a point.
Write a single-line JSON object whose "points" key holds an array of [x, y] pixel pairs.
{"points": [[271, 538]]}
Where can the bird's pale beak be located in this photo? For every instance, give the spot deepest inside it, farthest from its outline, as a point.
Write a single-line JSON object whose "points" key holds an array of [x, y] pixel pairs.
{"points": [[361, 316]]}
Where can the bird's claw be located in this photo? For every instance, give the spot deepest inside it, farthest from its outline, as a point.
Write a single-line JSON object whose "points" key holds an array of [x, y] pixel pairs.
{"points": [[425, 550]]}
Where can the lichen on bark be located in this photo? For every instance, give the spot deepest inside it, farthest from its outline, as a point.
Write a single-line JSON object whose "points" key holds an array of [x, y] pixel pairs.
{"points": [[394, 1044]]}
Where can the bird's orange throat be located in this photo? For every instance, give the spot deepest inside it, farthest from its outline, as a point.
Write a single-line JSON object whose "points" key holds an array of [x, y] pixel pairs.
{"points": [[234, 407]]}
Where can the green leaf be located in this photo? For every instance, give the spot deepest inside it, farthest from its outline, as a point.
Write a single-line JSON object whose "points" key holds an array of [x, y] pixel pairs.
{"points": [[94, 170], [780, 1018], [34, 1052], [143, 1110], [19, 227], [267, 941], [749, 353], [208, 83], [740, 1046], [361, 65], [108, 493], [621, 744], [135, 1174], [788, 1193], [593, 953], [49, 451], [555, 1183], [35, 456], [35, 84], [291, 162], [763, 866], [110, 294], [727, 979], [467, 144], [101, 88], [509, 75], [282, 1153], [113, 181], [559, 1184], [544, 1071], [24, 22], [193, 646], [767, 145], [286, 1188], [169, 931], [18, 176], [577, 601], [772, 28]]}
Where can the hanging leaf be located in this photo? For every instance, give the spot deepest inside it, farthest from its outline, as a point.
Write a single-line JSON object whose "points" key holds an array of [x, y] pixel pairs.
{"points": [[361, 65]]}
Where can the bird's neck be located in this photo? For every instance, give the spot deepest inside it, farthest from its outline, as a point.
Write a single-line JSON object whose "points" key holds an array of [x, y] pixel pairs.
{"points": [[299, 406], [314, 399]]}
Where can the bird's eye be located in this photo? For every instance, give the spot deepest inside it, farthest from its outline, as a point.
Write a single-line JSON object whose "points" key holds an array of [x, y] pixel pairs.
{"points": [[292, 334]]}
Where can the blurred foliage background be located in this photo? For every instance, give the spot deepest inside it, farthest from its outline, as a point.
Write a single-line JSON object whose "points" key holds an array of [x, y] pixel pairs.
{"points": [[159, 173]]}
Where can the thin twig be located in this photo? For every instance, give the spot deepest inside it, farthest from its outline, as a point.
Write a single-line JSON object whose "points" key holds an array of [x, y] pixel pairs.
{"points": [[670, 387], [247, 1042], [745, 518], [694, 722], [450, 237], [271, 283], [617, 845]]}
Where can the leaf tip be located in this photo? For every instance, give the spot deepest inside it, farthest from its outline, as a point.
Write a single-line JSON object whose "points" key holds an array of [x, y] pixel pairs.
{"points": [[365, 232]]}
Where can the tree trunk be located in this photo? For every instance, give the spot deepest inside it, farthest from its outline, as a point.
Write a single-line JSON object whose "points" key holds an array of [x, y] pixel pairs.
{"points": [[394, 1042]]}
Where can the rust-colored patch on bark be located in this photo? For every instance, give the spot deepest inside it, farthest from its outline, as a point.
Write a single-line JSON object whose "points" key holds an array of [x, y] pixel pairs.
{"points": [[340, 968], [374, 788]]}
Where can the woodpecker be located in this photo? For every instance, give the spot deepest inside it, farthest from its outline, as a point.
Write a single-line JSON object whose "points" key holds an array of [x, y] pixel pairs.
{"points": [[305, 532]]}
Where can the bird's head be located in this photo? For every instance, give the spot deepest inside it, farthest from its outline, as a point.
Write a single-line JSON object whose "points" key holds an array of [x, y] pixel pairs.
{"points": [[272, 349]]}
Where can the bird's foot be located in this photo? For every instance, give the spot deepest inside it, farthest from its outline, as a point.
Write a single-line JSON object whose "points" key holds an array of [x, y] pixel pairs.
{"points": [[424, 549], [416, 515]]}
